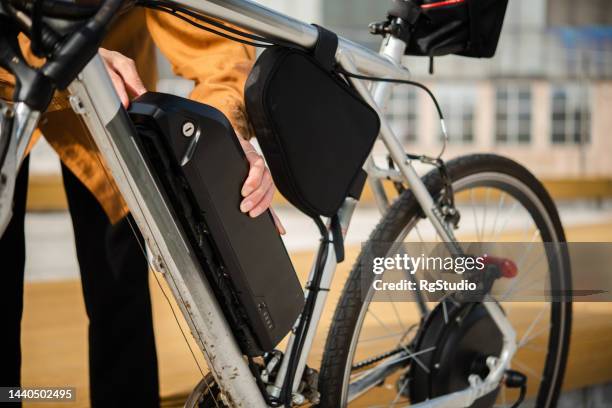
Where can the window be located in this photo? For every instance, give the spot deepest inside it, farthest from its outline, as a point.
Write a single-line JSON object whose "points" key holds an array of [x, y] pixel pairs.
{"points": [[570, 114], [513, 114], [350, 18], [402, 113], [458, 104]]}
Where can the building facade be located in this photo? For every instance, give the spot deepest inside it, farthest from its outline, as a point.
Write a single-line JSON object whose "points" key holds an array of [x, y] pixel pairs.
{"points": [[545, 99]]}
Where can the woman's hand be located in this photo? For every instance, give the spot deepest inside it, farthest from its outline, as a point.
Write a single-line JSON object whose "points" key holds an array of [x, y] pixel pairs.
{"points": [[124, 75], [258, 188]]}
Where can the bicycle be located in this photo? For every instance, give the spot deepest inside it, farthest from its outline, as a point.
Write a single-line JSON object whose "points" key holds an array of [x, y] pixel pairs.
{"points": [[408, 363]]}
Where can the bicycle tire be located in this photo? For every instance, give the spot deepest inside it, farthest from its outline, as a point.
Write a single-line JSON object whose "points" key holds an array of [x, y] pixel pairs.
{"points": [[406, 209]]}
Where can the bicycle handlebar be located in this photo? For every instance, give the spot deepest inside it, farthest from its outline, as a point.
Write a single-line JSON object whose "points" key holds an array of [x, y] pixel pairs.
{"points": [[80, 48], [66, 54], [57, 8]]}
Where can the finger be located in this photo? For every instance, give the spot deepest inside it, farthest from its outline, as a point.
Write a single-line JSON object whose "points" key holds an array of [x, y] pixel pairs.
{"points": [[263, 205], [104, 53], [115, 78], [279, 225], [256, 196], [251, 154], [126, 67], [119, 87], [255, 174]]}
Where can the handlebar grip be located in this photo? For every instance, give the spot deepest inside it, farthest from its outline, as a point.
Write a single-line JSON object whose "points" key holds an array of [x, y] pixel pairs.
{"points": [[58, 9], [79, 49]]}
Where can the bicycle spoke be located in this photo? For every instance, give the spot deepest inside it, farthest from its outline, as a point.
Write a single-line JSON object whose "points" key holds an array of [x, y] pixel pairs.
{"points": [[373, 376], [418, 360], [537, 334], [526, 228], [514, 286], [386, 336], [519, 289], [527, 251], [507, 219], [453, 301], [399, 320], [475, 216], [445, 312], [531, 327], [500, 205], [534, 347], [418, 231], [379, 321], [525, 367], [484, 215], [406, 333], [399, 393]]}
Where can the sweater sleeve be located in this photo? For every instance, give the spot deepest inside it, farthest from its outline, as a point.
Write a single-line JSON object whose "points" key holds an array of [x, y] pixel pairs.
{"points": [[218, 66]]}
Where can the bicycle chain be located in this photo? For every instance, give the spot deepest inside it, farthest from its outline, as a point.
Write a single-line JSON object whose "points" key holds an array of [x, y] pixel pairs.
{"points": [[378, 358]]}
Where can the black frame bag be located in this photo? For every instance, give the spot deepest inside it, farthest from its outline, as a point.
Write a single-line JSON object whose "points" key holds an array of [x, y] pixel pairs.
{"points": [[470, 28], [314, 129]]}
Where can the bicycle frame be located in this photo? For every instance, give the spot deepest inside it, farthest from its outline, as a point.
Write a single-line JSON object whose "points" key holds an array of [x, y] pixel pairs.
{"points": [[94, 98]]}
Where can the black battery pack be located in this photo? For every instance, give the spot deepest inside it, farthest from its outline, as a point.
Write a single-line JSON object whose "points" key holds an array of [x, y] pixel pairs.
{"points": [[201, 167]]}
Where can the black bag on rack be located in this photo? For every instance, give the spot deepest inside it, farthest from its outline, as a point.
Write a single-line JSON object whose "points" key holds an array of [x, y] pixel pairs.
{"points": [[314, 129], [470, 28]]}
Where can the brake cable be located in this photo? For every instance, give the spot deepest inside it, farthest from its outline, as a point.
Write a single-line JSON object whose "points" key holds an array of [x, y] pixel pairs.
{"points": [[516, 379], [446, 200]]}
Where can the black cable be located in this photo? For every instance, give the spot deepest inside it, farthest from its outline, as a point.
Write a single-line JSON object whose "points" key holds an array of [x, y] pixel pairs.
{"points": [[286, 396], [202, 27], [36, 32], [395, 81], [516, 379], [239, 36], [521, 398], [58, 9], [200, 17]]}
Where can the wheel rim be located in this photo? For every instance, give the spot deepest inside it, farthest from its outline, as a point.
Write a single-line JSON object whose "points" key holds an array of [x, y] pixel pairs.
{"points": [[522, 194]]}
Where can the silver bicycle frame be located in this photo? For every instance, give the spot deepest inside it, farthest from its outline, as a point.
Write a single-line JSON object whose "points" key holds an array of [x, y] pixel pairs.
{"points": [[93, 97]]}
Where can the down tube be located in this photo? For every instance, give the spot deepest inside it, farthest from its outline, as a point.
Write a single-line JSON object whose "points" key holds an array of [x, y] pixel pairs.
{"points": [[93, 97]]}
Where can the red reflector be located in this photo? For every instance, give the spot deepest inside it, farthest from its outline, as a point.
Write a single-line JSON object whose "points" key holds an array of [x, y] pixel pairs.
{"points": [[441, 3], [507, 267]]}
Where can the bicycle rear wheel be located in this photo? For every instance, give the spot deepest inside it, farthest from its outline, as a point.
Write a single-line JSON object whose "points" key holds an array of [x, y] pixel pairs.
{"points": [[375, 353]]}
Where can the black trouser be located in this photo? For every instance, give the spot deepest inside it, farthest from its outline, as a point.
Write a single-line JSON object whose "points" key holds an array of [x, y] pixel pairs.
{"points": [[114, 274]]}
